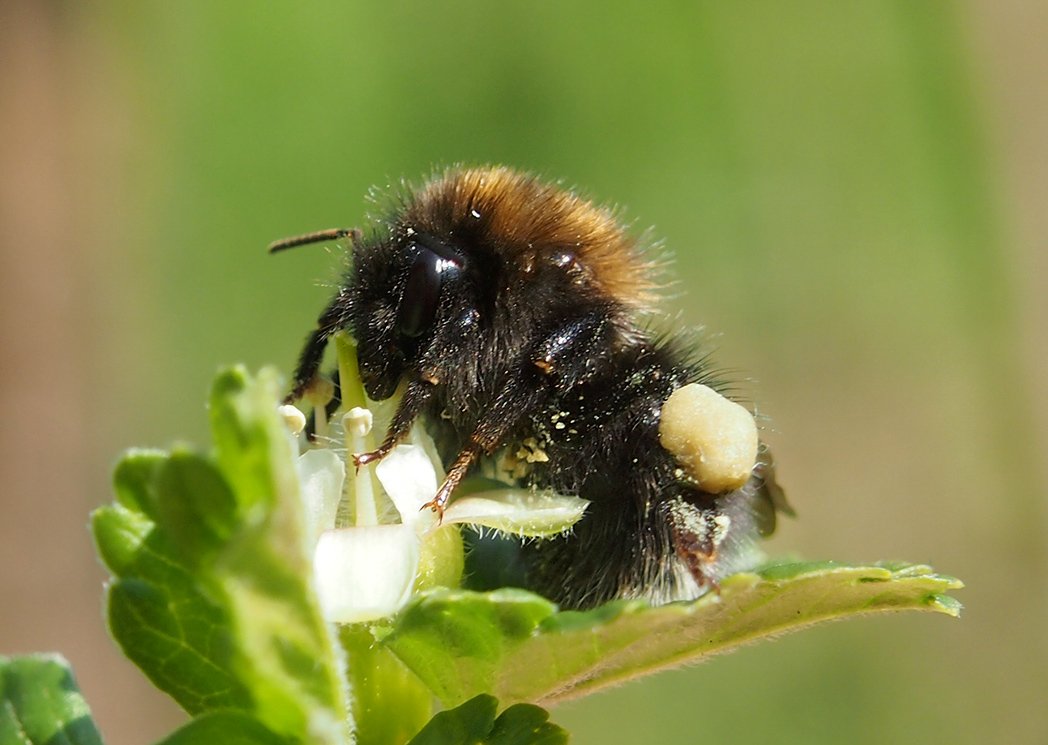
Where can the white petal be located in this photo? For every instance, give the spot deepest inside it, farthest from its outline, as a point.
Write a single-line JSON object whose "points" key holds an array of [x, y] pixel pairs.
{"points": [[523, 512], [408, 476], [321, 474], [363, 574]]}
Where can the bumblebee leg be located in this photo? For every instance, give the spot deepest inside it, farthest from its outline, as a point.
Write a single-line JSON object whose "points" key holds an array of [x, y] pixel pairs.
{"points": [[456, 473], [696, 535], [333, 319], [415, 398]]}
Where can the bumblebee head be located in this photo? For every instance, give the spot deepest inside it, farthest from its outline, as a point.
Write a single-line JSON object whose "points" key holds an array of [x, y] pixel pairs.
{"points": [[410, 306]]}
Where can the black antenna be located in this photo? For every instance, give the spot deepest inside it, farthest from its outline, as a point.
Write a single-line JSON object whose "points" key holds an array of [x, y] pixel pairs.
{"points": [[320, 236]]}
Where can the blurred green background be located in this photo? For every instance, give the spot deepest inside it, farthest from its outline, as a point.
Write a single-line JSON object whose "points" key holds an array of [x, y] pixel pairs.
{"points": [[854, 193]]}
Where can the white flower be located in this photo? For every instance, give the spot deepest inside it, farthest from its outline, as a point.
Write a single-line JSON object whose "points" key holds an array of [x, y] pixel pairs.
{"points": [[368, 571]]}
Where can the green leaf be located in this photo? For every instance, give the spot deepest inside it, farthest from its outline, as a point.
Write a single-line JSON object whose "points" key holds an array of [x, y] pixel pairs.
{"points": [[196, 507], [474, 722], [288, 652], [180, 639], [166, 619], [516, 646], [40, 703], [526, 724], [224, 728], [390, 703], [212, 593], [134, 479], [468, 723]]}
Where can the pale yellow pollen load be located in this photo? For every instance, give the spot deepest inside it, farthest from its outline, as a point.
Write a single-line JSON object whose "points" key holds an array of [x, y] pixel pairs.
{"points": [[714, 439]]}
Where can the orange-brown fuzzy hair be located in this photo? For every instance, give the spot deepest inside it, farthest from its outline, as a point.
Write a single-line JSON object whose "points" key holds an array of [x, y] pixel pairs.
{"points": [[531, 221]]}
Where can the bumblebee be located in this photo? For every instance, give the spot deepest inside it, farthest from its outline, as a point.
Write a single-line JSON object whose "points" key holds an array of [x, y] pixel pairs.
{"points": [[514, 314]]}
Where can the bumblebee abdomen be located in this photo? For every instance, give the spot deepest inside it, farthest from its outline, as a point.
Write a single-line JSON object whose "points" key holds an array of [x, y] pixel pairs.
{"points": [[648, 532]]}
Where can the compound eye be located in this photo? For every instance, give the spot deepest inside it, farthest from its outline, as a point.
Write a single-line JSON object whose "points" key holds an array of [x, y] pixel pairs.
{"points": [[418, 307]]}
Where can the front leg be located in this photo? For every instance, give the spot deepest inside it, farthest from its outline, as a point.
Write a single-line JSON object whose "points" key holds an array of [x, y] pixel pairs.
{"points": [[560, 360], [415, 397], [334, 318]]}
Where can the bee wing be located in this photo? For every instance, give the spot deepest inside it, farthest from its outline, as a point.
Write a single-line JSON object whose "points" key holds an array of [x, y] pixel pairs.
{"points": [[770, 496]]}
